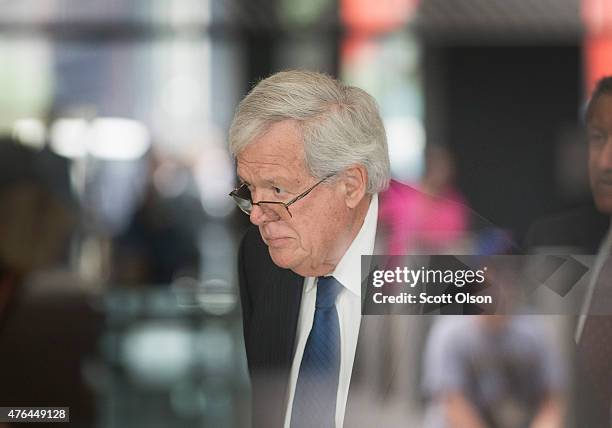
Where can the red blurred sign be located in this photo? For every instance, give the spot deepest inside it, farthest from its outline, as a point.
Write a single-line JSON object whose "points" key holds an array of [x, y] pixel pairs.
{"points": [[597, 18], [374, 16]]}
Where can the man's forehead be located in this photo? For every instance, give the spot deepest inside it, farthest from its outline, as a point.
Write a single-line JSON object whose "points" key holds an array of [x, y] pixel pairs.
{"points": [[601, 113], [252, 159], [279, 148], [268, 172]]}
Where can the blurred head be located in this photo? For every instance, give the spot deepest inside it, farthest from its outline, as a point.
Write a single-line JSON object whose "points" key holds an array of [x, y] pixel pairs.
{"points": [[35, 222], [439, 167], [599, 132], [296, 129]]}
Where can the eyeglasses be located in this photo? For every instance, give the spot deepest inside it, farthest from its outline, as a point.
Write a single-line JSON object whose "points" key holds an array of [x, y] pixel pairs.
{"points": [[242, 197]]}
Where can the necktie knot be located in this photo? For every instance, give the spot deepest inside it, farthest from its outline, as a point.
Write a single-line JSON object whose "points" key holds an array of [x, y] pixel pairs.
{"points": [[328, 289]]}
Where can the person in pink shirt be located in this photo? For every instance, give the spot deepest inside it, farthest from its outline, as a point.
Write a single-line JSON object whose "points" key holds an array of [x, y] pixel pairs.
{"points": [[433, 216]]}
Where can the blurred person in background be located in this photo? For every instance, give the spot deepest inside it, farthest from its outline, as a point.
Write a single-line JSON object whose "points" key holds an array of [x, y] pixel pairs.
{"points": [[434, 219], [492, 371], [34, 220], [312, 159], [160, 241], [587, 231], [48, 325]]}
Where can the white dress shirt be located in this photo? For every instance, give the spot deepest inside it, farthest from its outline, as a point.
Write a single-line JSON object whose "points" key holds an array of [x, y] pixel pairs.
{"points": [[348, 305]]}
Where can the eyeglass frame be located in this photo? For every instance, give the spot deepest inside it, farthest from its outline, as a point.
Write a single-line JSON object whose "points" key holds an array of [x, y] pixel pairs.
{"points": [[234, 195]]}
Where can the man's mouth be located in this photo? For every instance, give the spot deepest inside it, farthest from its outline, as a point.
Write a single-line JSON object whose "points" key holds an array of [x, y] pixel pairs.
{"points": [[276, 241]]}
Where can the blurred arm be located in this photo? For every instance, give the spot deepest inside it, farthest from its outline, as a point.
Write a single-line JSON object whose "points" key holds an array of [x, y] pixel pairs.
{"points": [[460, 413], [550, 414]]}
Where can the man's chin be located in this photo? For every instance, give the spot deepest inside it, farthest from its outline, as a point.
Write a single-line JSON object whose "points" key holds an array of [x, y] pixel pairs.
{"points": [[283, 258], [604, 204]]}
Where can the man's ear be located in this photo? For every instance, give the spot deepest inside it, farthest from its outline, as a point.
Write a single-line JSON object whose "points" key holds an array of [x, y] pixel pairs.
{"points": [[355, 182]]}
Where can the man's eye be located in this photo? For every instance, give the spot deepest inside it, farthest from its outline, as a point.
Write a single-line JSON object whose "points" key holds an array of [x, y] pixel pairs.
{"points": [[278, 191], [596, 136]]}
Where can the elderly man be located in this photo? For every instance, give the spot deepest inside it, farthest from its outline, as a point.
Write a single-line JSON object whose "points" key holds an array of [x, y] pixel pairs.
{"points": [[312, 159]]}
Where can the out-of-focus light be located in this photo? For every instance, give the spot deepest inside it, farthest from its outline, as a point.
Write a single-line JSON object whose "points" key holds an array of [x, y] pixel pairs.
{"points": [[91, 259], [30, 132], [597, 20], [302, 12], [118, 139], [215, 347], [189, 12], [182, 96], [217, 297], [406, 140], [186, 290], [170, 179], [68, 137], [596, 16], [214, 194], [377, 15], [26, 72], [104, 138], [157, 354], [188, 399], [215, 179]]}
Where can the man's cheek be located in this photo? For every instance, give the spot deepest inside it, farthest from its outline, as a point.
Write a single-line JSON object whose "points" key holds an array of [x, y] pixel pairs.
{"points": [[603, 201]]}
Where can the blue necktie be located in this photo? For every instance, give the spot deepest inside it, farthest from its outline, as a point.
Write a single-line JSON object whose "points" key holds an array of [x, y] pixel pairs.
{"points": [[314, 402]]}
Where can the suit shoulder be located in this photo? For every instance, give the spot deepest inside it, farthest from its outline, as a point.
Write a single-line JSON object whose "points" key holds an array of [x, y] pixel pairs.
{"points": [[251, 241], [451, 213], [254, 257], [581, 228]]}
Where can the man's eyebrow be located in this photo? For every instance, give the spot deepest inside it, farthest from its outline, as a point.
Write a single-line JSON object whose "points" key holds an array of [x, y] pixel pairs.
{"points": [[278, 179], [270, 181]]}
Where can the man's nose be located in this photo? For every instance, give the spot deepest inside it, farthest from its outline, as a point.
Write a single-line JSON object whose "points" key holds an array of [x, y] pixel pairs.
{"points": [[258, 215], [605, 157]]}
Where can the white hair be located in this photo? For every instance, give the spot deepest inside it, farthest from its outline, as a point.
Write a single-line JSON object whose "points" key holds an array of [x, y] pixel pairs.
{"points": [[340, 124]]}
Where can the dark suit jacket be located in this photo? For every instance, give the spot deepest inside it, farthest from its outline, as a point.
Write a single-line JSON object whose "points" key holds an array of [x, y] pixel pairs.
{"points": [[271, 298], [579, 231]]}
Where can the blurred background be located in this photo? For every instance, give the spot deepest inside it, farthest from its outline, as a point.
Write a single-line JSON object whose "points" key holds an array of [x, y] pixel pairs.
{"points": [[118, 242]]}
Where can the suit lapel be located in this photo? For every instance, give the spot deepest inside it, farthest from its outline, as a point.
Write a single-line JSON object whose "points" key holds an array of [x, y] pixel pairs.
{"points": [[272, 340], [278, 308], [290, 287]]}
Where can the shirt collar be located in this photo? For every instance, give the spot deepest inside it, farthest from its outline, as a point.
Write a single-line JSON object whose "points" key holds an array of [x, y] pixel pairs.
{"points": [[348, 270], [606, 245]]}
